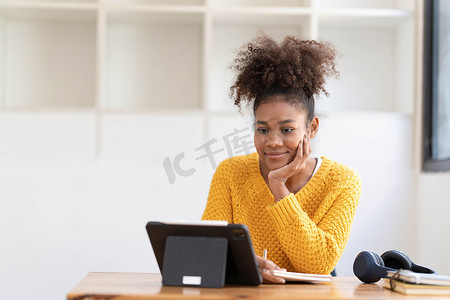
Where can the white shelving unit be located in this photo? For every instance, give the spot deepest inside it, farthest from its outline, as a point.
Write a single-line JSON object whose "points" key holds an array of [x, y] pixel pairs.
{"points": [[143, 57], [95, 95]]}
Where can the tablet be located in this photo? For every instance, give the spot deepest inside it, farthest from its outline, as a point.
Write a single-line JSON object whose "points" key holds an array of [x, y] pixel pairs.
{"points": [[241, 264]]}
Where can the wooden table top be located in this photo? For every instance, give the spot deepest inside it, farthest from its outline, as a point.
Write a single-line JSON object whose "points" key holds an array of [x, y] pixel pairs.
{"points": [[133, 286]]}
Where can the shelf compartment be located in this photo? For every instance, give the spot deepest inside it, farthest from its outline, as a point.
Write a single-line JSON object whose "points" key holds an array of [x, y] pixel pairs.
{"points": [[158, 2], [259, 3], [49, 57], [376, 67], [49, 4], [262, 16], [363, 17], [48, 12], [366, 4], [153, 61], [229, 36], [139, 14]]}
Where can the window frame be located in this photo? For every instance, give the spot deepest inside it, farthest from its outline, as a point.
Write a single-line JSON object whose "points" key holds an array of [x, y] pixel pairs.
{"points": [[430, 87]]}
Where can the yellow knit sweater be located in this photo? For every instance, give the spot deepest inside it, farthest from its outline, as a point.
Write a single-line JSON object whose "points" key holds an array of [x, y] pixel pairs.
{"points": [[305, 232]]}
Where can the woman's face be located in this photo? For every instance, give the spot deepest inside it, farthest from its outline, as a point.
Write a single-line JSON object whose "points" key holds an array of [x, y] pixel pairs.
{"points": [[279, 127]]}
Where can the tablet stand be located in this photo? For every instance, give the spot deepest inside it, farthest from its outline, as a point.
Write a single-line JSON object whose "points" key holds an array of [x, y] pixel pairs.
{"points": [[195, 261]]}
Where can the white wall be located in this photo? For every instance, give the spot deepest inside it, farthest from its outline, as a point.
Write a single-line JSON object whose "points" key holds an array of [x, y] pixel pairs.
{"points": [[431, 189], [66, 212], [433, 222], [69, 212], [378, 146]]}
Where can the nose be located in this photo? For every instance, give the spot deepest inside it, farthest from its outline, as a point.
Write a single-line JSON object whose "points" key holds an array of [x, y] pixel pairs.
{"points": [[274, 140]]}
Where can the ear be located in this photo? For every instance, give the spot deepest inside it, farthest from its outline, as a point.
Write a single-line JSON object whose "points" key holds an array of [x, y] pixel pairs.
{"points": [[314, 127]]}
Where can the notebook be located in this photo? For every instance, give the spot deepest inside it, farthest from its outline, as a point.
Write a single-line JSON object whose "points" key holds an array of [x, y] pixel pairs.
{"points": [[416, 289], [412, 283], [301, 277], [419, 278]]}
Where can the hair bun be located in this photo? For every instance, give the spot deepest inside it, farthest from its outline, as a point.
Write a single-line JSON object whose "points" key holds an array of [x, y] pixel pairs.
{"points": [[294, 66]]}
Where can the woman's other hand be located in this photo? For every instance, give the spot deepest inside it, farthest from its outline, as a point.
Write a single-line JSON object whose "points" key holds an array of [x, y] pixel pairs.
{"points": [[266, 267]]}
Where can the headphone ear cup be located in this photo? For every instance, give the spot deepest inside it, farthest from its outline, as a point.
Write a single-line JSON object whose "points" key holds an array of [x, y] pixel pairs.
{"points": [[369, 267], [397, 260]]}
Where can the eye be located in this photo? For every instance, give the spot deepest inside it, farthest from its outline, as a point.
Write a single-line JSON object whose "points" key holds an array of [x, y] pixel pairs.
{"points": [[287, 130], [262, 130]]}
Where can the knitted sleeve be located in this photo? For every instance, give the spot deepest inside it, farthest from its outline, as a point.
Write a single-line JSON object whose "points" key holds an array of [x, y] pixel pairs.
{"points": [[219, 206], [314, 245]]}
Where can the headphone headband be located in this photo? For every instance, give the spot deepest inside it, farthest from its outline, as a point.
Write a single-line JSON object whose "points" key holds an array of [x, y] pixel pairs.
{"points": [[370, 267], [422, 269]]}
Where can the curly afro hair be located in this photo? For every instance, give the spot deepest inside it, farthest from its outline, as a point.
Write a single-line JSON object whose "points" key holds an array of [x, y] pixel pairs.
{"points": [[296, 68]]}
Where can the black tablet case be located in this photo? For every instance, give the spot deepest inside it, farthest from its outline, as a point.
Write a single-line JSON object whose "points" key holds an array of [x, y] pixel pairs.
{"points": [[241, 265], [198, 261]]}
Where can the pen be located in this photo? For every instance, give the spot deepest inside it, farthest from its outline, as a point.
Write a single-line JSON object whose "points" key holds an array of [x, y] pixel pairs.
{"points": [[265, 254]]}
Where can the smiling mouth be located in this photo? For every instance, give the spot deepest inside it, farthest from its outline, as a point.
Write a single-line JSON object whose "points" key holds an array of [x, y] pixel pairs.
{"points": [[275, 155]]}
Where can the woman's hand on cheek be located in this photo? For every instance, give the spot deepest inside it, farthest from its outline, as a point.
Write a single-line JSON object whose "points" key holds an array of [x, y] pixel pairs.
{"points": [[277, 178]]}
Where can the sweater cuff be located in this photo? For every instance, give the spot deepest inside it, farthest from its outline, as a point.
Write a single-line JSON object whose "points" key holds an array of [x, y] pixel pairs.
{"points": [[285, 211]]}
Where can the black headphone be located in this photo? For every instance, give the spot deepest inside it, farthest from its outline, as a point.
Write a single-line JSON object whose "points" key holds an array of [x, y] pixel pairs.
{"points": [[370, 267]]}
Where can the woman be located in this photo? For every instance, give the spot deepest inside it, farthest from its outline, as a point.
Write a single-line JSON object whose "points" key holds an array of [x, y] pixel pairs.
{"points": [[297, 207]]}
